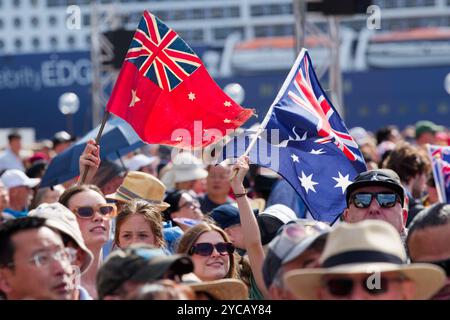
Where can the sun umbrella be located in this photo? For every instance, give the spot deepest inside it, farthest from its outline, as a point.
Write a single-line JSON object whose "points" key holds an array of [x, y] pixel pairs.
{"points": [[118, 139]]}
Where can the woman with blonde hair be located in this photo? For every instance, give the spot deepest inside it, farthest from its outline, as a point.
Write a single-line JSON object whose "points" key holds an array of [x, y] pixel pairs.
{"points": [[211, 252], [139, 222]]}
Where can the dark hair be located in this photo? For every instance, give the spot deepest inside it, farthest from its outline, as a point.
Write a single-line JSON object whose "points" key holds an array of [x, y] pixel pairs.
{"points": [[37, 169], [14, 135], [435, 215], [69, 193], [9, 229], [172, 198], [384, 133], [408, 161]]}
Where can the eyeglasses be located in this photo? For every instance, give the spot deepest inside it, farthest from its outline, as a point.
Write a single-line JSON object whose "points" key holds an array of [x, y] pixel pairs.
{"points": [[444, 264], [190, 205], [385, 200], [43, 259], [341, 287], [205, 249], [107, 210]]}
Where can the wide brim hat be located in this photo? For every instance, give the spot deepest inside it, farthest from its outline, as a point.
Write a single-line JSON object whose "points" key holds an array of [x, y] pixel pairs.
{"points": [[60, 218], [367, 247], [141, 185], [427, 277], [223, 289]]}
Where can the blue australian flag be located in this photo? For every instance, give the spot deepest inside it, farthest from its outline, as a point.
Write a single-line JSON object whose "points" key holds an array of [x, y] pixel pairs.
{"points": [[305, 140]]}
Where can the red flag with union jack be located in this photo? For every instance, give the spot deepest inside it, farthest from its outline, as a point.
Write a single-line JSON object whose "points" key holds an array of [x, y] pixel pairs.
{"points": [[165, 92]]}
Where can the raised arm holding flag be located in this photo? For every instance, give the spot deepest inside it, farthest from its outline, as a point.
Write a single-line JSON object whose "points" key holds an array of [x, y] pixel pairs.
{"points": [[304, 139]]}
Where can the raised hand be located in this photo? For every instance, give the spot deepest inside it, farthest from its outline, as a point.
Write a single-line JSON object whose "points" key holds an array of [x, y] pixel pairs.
{"points": [[90, 161]]}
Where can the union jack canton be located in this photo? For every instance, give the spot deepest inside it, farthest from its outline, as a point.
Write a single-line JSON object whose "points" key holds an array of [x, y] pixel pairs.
{"points": [[160, 54]]}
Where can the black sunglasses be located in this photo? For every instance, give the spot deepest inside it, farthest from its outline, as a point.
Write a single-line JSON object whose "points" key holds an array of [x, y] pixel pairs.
{"points": [[206, 249], [342, 287], [444, 264], [385, 200], [87, 212]]}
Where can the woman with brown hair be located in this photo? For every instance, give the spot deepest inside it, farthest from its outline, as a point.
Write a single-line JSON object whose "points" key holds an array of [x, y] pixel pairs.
{"points": [[94, 215], [139, 222], [211, 252]]}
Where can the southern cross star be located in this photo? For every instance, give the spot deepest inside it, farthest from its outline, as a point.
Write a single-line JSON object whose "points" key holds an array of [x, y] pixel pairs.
{"points": [[307, 182], [342, 182]]}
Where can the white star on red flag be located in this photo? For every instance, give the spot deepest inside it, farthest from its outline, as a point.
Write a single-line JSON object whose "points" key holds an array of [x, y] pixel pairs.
{"points": [[191, 96], [134, 98]]}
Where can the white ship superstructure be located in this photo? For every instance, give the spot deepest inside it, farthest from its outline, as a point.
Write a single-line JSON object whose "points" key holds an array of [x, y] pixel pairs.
{"points": [[34, 26]]}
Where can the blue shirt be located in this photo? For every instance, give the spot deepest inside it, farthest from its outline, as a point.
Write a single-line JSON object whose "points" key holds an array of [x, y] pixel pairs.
{"points": [[16, 214]]}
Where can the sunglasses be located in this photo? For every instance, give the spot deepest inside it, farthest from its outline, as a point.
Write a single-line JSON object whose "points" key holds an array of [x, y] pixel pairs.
{"points": [[444, 264], [342, 287], [106, 210], [206, 249], [385, 200]]}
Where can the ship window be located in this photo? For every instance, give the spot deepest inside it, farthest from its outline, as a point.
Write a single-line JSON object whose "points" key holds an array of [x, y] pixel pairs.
{"points": [[257, 11], [52, 20], [71, 41], [223, 33], [86, 19], [16, 3], [88, 40], [1, 24], [18, 43], [34, 21], [2, 44], [35, 43], [180, 15], [198, 13], [231, 12], [53, 42], [33, 2], [216, 13], [17, 22]]}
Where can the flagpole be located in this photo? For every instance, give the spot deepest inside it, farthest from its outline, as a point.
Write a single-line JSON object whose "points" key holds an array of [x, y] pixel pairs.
{"points": [[97, 142], [269, 112]]}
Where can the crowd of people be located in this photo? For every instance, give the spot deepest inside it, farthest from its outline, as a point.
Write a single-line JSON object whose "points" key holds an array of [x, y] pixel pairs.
{"points": [[151, 227]]}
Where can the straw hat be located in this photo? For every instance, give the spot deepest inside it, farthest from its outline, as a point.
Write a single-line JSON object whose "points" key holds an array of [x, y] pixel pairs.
{"points": [[141, 185], [366, 247], [223, 289]]}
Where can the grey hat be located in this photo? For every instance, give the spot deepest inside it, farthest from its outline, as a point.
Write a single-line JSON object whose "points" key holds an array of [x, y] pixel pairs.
{"points": [[293, 239], [60, 218]]}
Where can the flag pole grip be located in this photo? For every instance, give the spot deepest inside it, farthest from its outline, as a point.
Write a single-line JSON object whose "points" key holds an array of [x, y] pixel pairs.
{"points": [[97, 142]]}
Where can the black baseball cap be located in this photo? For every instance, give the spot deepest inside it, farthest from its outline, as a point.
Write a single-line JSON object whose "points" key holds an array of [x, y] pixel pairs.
{"points": [[378, 177]]}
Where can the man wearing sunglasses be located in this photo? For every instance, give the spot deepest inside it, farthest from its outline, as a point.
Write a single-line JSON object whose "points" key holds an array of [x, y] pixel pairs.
{"points": [[365, 261], [377, 194], [429, 241]]}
